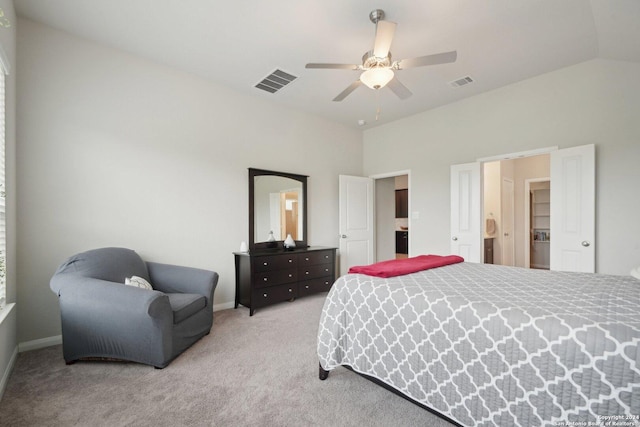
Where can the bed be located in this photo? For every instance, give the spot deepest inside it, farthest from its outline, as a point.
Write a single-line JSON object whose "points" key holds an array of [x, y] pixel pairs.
{"points": [[487, 345]]}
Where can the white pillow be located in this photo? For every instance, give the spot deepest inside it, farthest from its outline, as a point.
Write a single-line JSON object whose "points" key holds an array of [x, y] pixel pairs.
{"points": [[636, 273], [138, 282]]}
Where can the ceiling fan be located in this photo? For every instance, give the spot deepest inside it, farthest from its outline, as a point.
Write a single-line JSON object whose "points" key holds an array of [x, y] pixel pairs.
{"points": [[377, 66]]}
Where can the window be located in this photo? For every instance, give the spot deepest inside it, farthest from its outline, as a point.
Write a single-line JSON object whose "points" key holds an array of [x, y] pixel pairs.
{"points": [[3, 230]]}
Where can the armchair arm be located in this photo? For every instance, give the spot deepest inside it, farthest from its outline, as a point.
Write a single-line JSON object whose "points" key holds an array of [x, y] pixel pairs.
{"points": [[107, 319], [179, 279], [116, 296]]}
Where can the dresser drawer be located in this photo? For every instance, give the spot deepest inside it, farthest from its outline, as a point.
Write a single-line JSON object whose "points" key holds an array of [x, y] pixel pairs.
{"points": [[313, 271], [312, 286], [265, 296], [275, 262], [273, 278], [317, 257], [265, 277]]}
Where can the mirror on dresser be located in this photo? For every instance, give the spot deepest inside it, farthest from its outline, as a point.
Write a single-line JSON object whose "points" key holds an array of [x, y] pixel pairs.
{"points": [[277, 207]]}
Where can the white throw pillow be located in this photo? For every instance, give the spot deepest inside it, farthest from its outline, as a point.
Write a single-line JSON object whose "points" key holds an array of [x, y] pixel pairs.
{"points": [[138, 282], [636, 273]]}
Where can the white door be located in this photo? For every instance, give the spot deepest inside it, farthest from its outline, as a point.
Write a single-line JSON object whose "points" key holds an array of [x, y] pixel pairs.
{"points": [[466, 225], [572, 234], [507, 202], [356, 222]]}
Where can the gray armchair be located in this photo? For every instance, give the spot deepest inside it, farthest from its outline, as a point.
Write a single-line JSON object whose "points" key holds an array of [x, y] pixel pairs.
{"points": [[104, 318]]}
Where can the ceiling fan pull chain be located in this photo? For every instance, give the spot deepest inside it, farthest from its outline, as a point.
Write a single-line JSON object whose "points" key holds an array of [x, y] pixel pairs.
{"points": [[377, 105]]}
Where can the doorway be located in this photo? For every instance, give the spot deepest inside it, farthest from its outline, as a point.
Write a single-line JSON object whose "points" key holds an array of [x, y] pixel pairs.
{"points": [[367, 222], [392, 217], [538, 222], [572, 208], [506, 207]]}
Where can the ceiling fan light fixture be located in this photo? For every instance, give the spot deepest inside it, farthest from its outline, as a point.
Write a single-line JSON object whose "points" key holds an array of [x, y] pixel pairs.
{"points": [[377, 68], [377, 78]]}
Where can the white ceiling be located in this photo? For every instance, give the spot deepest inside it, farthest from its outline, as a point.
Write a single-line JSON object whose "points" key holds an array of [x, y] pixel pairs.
{"points": [[237, 43]]}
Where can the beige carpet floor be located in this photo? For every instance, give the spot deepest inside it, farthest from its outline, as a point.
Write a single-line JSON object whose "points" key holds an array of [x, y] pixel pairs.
{"points": [[249, 371]]}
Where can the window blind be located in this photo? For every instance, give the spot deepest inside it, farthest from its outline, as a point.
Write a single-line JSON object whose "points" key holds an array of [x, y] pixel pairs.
{"points": [[3, 229]]}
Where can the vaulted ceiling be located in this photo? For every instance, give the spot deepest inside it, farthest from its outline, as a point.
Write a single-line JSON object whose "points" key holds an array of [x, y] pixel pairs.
{"points": [[238, 43]]}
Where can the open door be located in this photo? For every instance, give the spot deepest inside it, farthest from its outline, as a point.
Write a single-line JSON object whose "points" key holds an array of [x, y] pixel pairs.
{"points": [[572, 236], [508, 223], [356, 221], [466, 224]]}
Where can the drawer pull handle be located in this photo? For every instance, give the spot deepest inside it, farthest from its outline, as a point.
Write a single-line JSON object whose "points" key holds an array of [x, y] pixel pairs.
{"points": [[290, 260], [306, 287], [326, 283], [265, 295], [265, 263], [306, 272], [265, 279], [306, 259], [290, 275], [290, 290], [326, 269]]}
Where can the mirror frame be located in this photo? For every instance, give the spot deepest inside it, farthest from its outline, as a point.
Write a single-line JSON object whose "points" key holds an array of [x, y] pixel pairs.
{"points": [[253, 245]]}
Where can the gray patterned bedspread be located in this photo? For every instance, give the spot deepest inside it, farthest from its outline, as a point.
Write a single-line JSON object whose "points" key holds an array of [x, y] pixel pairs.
{"points": [[490, 345]]}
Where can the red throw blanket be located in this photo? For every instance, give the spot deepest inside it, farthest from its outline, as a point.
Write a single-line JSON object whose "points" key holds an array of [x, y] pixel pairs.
{"points": [[400, 267]]}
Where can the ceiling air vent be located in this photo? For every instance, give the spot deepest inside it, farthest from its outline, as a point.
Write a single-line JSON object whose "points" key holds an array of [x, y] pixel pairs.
{"points": [[461, 82], [275, 81]]}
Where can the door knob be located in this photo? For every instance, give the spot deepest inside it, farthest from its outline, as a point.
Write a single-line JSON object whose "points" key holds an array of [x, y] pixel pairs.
{"points": [[585, 243], [506, 234], [454, 238], [344, 236]]}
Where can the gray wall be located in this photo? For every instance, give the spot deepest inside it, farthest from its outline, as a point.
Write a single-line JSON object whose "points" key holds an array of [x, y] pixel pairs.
{"points": [[595, 102], [118, 151]]}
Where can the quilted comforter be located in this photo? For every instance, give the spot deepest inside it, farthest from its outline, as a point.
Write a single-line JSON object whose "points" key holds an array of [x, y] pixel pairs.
{"points": [[490, 345]]}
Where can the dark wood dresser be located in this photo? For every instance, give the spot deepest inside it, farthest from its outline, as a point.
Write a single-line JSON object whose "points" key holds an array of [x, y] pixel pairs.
{"points": [[271, 276]]}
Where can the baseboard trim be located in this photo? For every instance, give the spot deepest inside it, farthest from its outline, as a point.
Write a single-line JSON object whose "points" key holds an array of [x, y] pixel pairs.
{"points": [[7, 372], [40, 343], [223, 306]]}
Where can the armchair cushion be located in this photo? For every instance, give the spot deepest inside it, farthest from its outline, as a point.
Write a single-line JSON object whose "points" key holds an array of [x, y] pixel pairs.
{"points": [[185, 305]]}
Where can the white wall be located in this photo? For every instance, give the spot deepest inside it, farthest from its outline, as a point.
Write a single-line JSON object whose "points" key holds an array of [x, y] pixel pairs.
{"points": [[593, 102], [117, 150]]}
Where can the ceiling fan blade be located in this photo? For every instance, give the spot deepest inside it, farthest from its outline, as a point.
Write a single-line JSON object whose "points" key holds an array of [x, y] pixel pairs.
{"points": [[332, 66], [399, 89], [353, 86], [438, 58], [384, 37]]}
